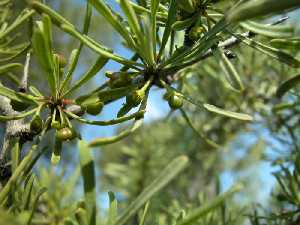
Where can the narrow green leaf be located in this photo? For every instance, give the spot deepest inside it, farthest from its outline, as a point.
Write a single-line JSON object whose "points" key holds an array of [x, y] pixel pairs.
{"points": [[289, 44], [240, 116], [107, 95], [28, 192], [143, 219], [18, 172], [41, 48], [287, 85], [200, 212], [148, 35], [10, 66], [187, 5], [56, 154], [108, 122], [70, 29], [105, 141], [56, 18], [276, 31], [169, 173], [23, 16], [107, 13], [170, 21], [73, 59], [18, 116], [255, 8], [35, 204], [15, 156], [113, 209], [232, 75], [89, 183], [19, 97], [199, 133], [154, 9], [96, 47], [183, 24], [132, 20], [273, 52]]}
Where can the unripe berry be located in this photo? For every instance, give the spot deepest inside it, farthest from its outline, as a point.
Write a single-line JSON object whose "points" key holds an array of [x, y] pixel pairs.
{"points": [[36, 124], [135, 98], [94, 108], [64, 134], [175, 102]]}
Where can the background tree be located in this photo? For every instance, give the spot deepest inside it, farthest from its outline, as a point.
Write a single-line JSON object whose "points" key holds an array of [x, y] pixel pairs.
{"points": [[226, 77]]}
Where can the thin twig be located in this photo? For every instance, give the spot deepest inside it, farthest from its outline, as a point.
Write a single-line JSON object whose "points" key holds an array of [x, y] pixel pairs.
{"points": [[24, 83]]}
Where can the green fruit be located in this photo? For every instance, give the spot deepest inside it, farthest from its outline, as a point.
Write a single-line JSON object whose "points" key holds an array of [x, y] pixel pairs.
{"points": [[135, 98], [36, 124], [64, 134], [196, 32], [175, 102], [94, 108], [56, 125]]}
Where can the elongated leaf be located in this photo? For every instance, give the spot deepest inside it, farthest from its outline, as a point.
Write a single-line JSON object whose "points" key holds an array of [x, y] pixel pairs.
{"points": [[273, 52], [232, 75], [287, 85], [96, 47], [184, 24], [35, 204], [41, 47], [200, 212], [113, 209], [148, 35], [170, 21], [69, 28], [255, 8], [187, 5], [276, 31], [143, 218], [108, 122], [73, 59], [107, 95], [289, 44], [18, 172], [169, 173], [10, 66], [89, 183], [55, 17], [18, 116], [23, 16], [19, 97], [105, 141], [199, 133], [28, 192], [101, 61], [107, 13], [154, 9], [223, 112], [132, 20]]}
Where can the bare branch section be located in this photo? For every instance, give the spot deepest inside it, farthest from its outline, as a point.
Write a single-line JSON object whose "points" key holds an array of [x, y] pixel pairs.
{"points": [[14, 129], [24, 83]]}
